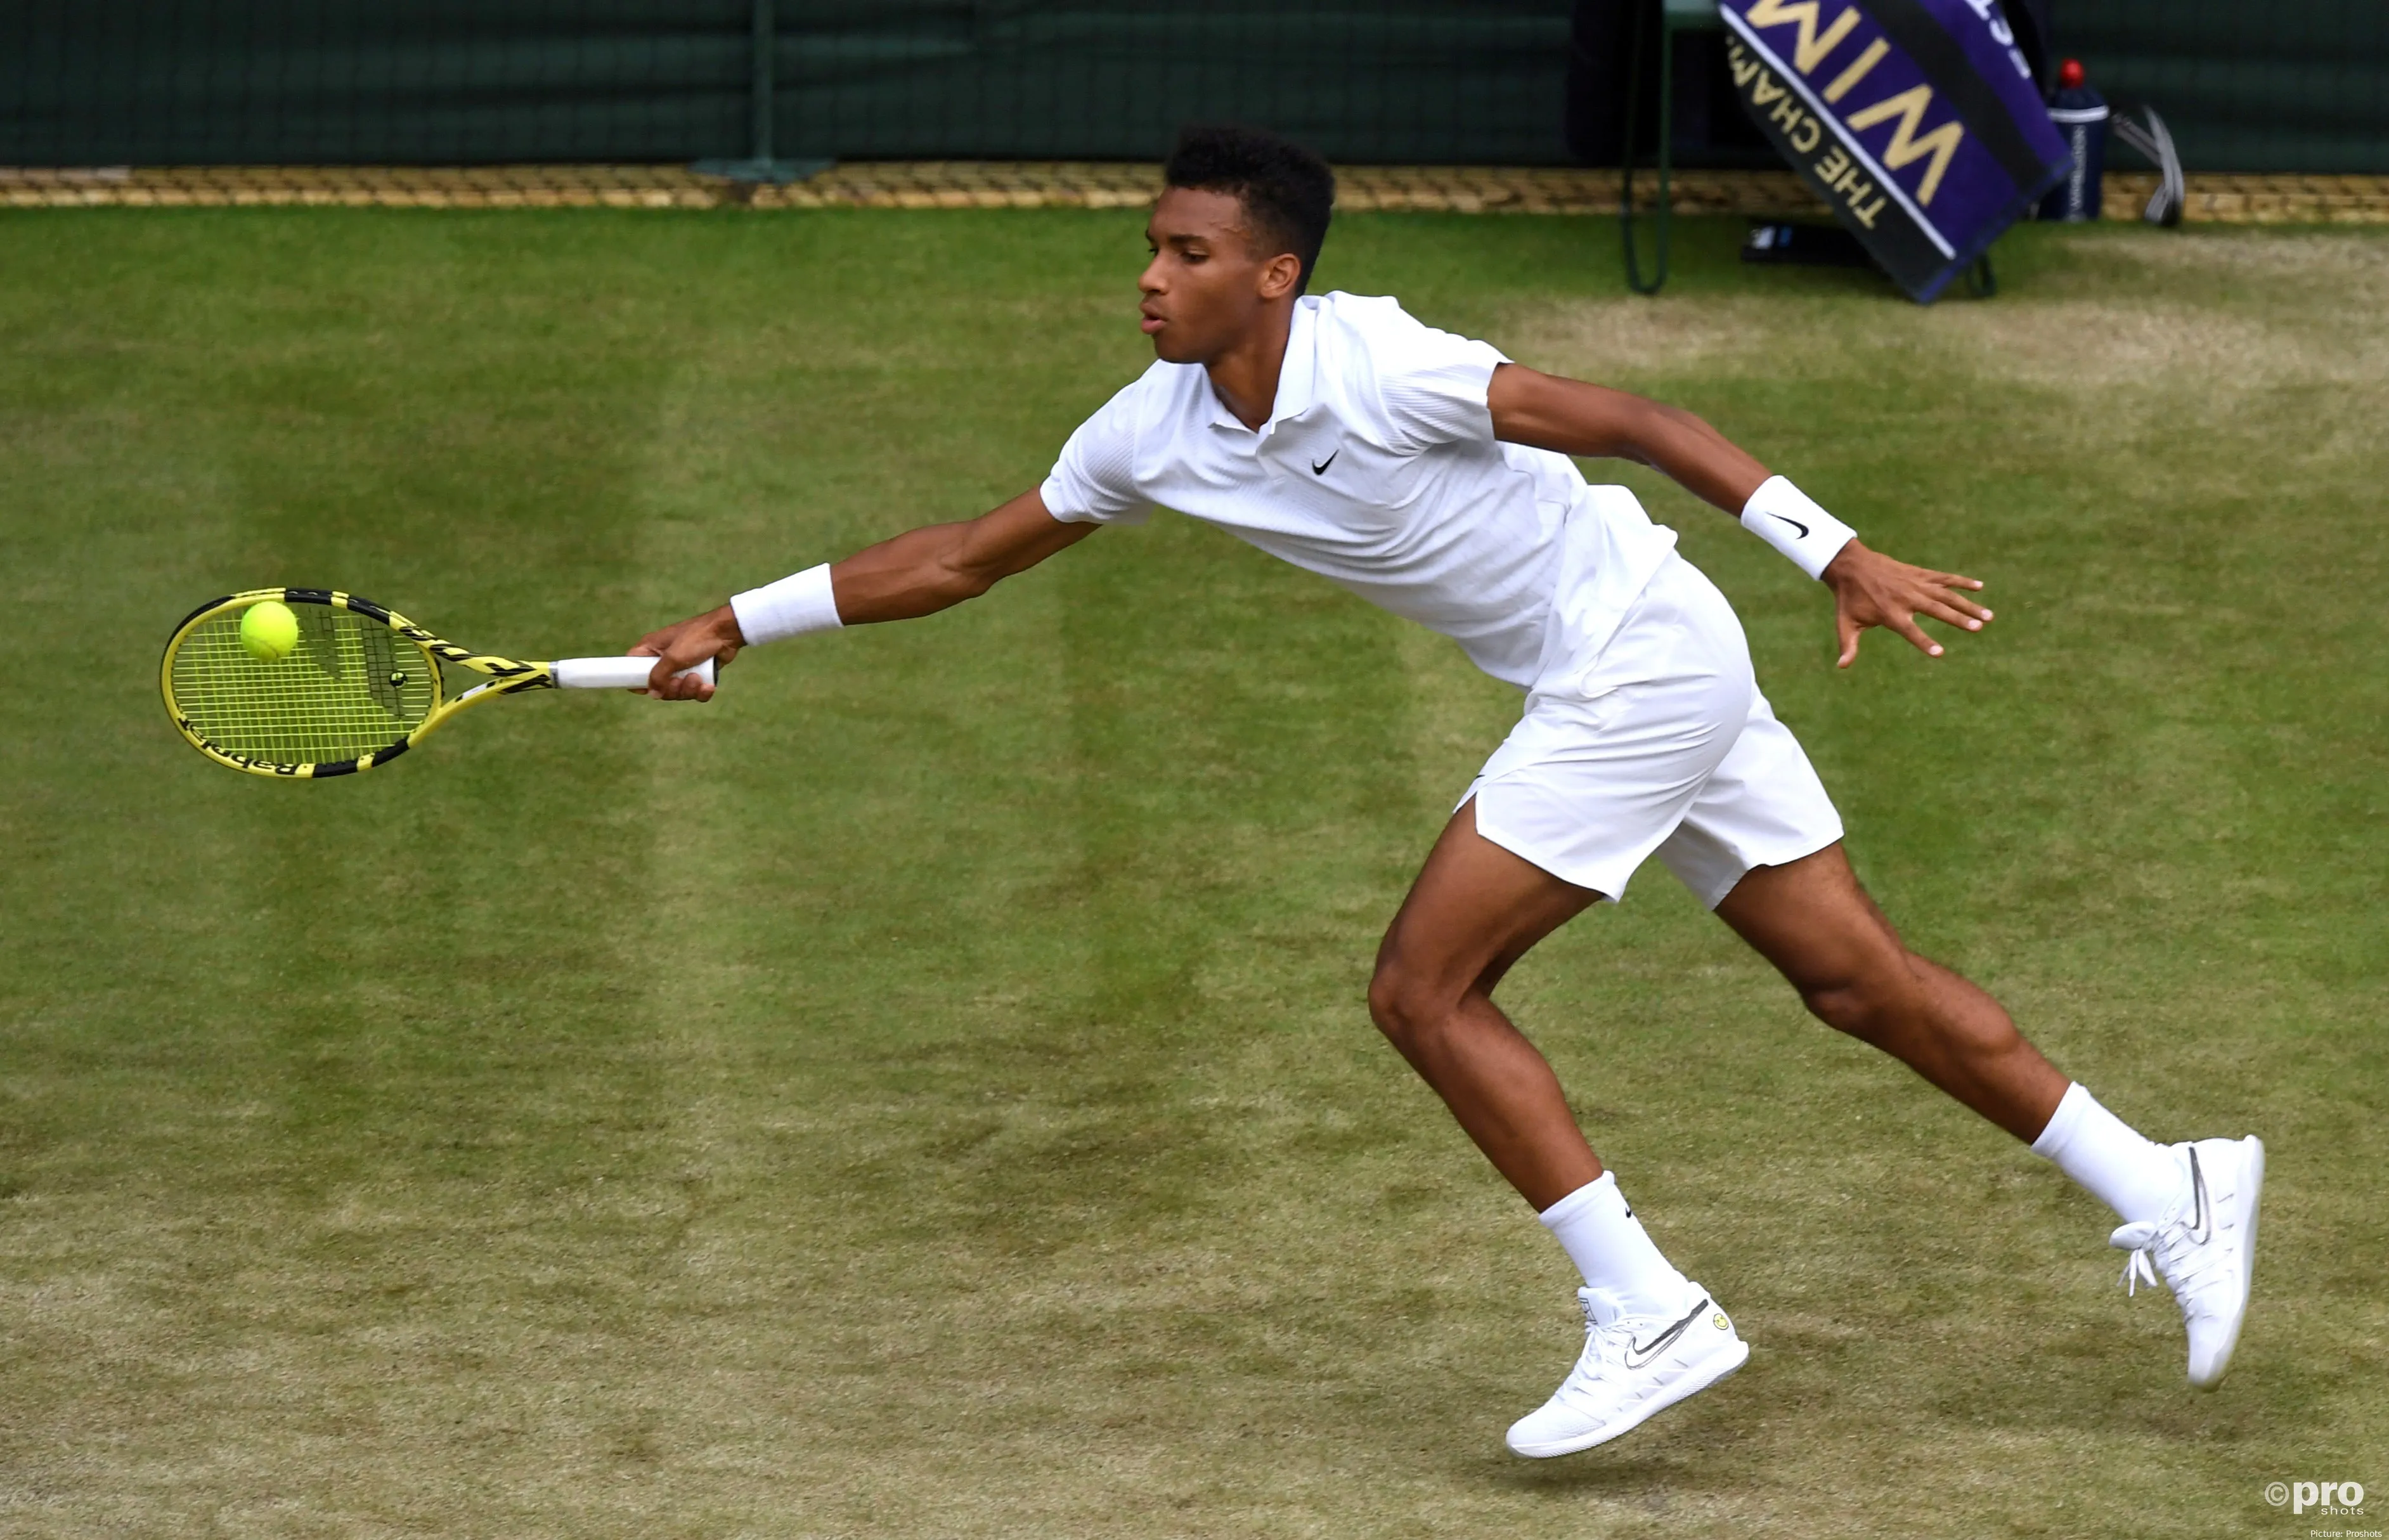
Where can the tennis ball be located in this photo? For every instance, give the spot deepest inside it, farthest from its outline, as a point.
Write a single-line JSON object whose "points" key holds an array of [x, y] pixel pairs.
{"points": [[269, 630]]}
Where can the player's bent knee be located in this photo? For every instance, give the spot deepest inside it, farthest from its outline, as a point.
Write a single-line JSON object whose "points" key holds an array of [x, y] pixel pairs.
{"points": [[1863, 1004], [1842, 1006], [1406, 1008], [1388, 1005]]}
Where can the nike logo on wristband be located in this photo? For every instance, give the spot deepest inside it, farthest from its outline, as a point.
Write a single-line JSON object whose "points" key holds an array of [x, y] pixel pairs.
{"points": [[1793, 523]]}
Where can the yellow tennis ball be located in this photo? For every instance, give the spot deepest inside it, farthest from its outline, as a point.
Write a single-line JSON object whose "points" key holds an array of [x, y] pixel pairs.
{"points": [[269, 630]]}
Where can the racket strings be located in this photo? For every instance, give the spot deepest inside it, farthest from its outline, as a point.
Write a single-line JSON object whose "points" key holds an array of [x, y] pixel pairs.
{"points": [[350, 687]]}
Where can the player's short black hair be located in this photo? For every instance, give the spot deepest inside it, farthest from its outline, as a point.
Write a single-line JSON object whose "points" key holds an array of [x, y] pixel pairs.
{"points": [[1287, 192]]}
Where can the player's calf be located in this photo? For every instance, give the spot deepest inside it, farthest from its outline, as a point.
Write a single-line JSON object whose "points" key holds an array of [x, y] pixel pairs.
{"points": [[1947, 1031], [2189, 1211]]}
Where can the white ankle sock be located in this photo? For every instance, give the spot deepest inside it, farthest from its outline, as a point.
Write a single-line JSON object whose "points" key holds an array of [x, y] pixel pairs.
{"points": [[1612, 1250], [2135, 1177]]}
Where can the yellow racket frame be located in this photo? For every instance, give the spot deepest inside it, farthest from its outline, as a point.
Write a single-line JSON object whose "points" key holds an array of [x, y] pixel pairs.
{"points": [[507, 676]]}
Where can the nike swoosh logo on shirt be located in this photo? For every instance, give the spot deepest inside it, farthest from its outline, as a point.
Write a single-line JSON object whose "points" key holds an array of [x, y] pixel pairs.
{"points": [[1321, 468], [1639, 1354], [1794, 524]]}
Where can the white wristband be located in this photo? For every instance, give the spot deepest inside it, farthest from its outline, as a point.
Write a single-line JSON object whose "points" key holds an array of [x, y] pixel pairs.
{"points": [[1788, 519], [790, 607]]}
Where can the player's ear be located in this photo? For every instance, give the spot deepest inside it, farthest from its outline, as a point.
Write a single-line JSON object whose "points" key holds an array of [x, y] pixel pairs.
{"points": [[1280, 274]]}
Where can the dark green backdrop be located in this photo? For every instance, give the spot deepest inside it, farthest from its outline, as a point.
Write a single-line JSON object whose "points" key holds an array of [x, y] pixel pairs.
{"points": [[2297, 85]]}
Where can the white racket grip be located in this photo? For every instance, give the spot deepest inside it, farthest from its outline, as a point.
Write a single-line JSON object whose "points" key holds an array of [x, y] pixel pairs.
{"points": [[615, 673]]}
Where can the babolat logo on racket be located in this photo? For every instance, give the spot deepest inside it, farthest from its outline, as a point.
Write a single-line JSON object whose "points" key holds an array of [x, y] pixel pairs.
{"points": [[307, 683]]}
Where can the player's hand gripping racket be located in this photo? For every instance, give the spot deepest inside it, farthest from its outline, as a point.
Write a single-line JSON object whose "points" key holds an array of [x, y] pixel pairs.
{"points": [[335, 684]]}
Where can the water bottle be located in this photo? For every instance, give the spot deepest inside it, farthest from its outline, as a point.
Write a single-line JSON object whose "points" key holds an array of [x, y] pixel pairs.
{"points": [[2080, 115]]}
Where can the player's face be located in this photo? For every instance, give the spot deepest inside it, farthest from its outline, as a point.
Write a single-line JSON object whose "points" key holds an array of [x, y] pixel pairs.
{"points": [[1206, 286]]}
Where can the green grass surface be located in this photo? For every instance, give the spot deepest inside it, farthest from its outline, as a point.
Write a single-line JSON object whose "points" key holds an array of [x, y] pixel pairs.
{"points": [[928, 1093]]}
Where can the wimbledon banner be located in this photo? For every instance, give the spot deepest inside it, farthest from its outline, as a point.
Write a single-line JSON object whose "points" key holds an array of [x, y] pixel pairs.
{"points": [[1916, 120]]}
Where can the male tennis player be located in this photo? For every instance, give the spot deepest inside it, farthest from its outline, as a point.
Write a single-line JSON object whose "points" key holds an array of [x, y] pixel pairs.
{"points": [[1428, 474]]}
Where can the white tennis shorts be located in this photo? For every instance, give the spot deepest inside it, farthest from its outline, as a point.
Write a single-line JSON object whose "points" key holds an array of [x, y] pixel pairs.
{"points": [[1663, 746]]}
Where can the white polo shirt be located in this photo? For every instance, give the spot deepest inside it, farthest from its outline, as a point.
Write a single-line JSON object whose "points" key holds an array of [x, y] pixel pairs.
{"points": [[1378, 470]]}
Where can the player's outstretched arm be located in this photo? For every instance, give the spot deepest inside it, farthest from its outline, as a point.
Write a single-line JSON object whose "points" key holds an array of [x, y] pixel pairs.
{"points": [[1870, 588], [918, 572]]}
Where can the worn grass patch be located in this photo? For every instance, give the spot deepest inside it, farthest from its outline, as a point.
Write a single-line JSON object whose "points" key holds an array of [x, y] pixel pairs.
{"points": [[926, 1092]]}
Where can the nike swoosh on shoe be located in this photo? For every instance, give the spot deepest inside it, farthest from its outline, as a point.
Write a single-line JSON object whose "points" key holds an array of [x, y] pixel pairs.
{"points": [[1638, 1354]]}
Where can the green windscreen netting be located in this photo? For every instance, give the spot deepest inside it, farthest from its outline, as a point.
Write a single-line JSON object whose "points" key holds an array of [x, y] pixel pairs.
{"points": [[305, 81], [2296, 85]]}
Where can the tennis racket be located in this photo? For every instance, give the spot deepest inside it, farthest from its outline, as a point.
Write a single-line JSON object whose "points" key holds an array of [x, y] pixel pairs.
{"points": [[361, 686]]}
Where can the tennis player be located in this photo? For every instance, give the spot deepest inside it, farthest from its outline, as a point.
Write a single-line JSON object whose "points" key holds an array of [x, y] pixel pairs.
{"points": [[1429, 475]]}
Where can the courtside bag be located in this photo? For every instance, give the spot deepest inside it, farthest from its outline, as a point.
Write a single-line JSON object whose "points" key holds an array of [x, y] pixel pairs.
{"points": [[1916, 120]]}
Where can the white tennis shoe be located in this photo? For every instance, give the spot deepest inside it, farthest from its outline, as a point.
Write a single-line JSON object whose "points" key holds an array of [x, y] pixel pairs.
{"points": [[1631, 1368], [2205, 1247]]}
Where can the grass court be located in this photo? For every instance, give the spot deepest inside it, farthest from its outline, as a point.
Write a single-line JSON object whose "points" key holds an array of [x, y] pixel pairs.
{"points": [[926, 1092]]}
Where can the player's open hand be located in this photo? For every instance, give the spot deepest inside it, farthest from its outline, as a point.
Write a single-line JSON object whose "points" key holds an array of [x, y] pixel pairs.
{"points": [[1871, 588], [713, 635]]}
